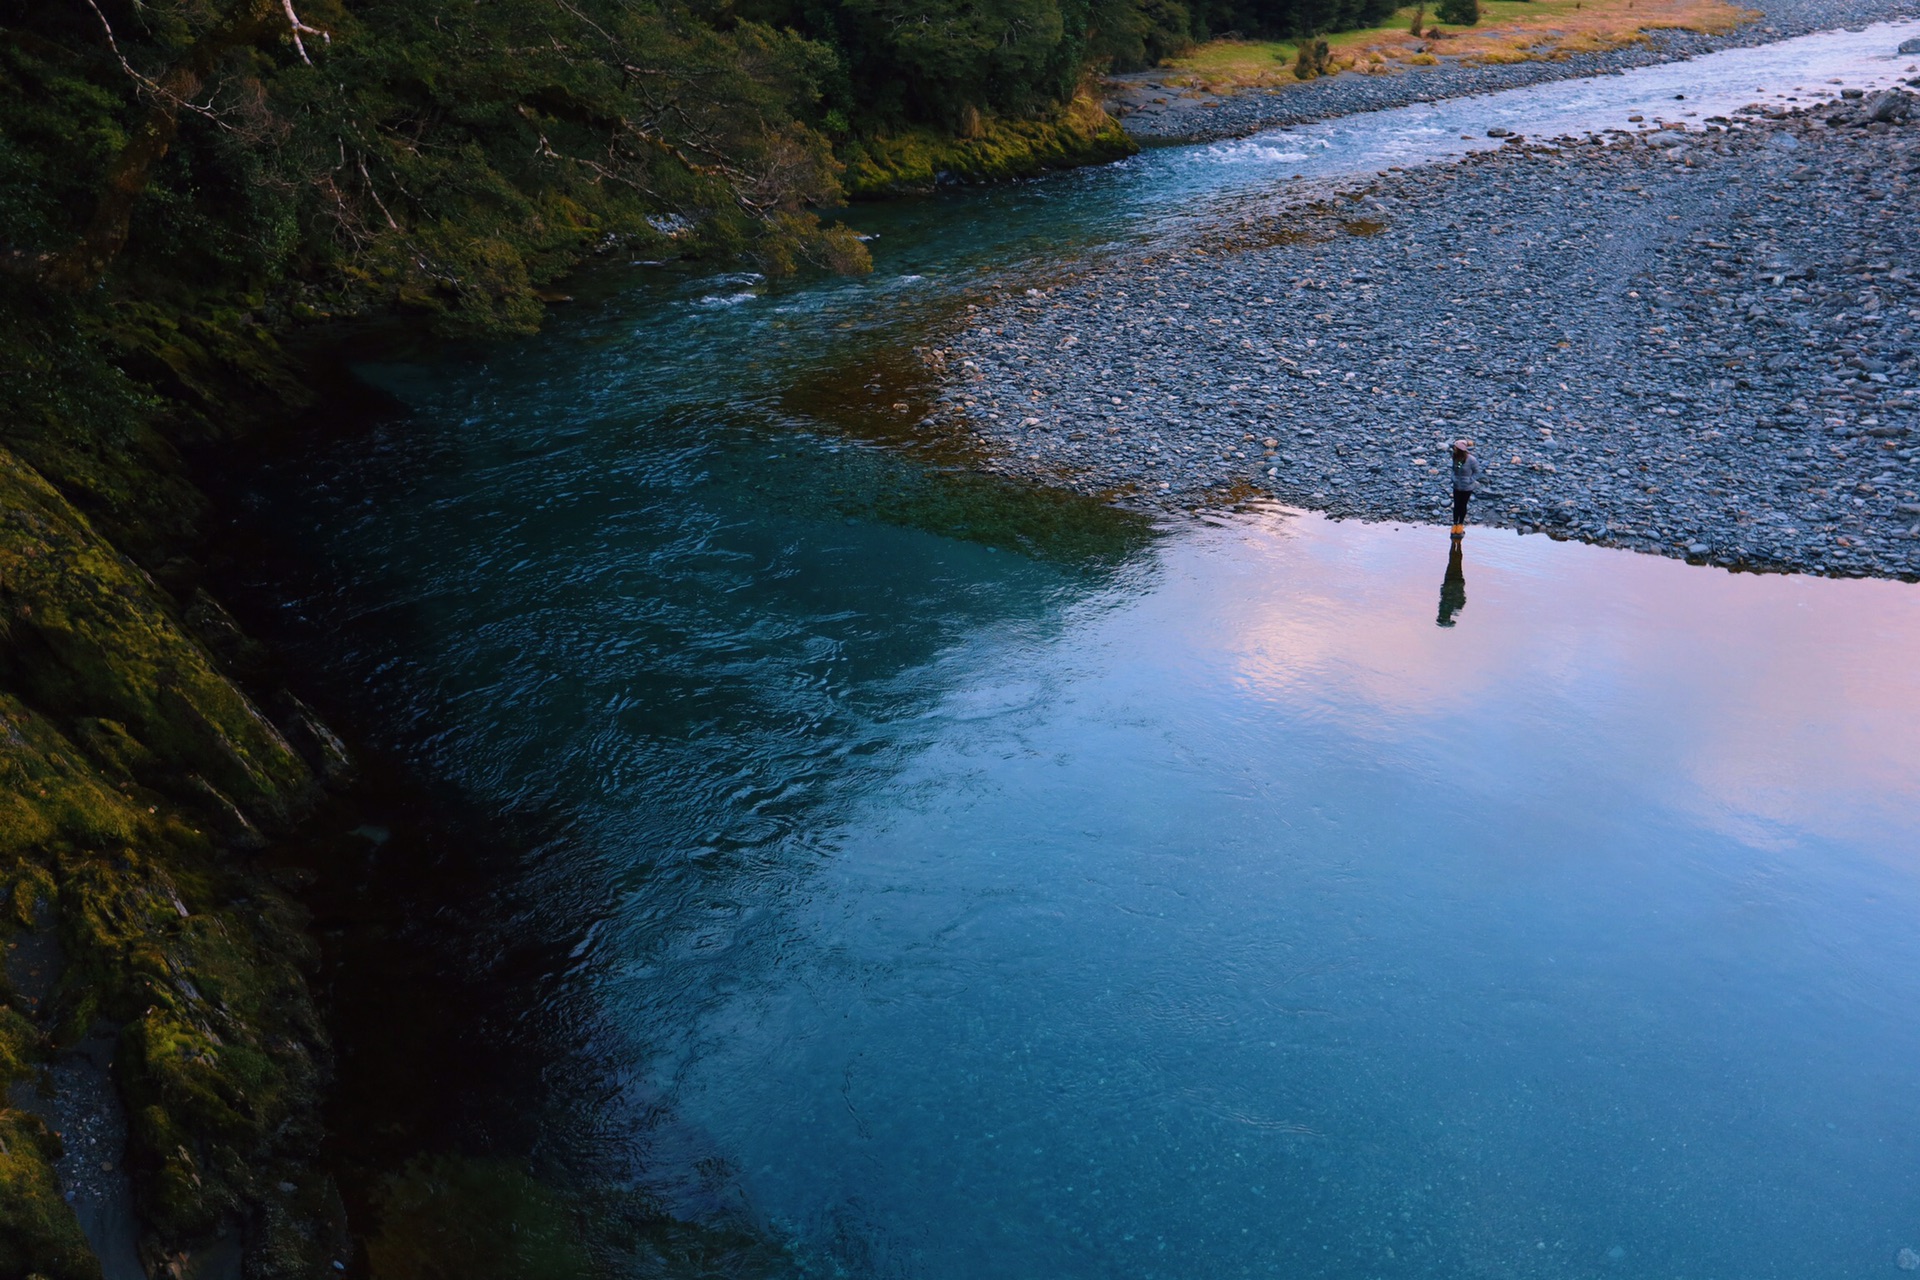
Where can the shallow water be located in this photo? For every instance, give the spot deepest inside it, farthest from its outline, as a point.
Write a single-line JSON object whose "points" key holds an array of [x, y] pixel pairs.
{"points": [[1246, 921], [1784, 74], [938, 877]]}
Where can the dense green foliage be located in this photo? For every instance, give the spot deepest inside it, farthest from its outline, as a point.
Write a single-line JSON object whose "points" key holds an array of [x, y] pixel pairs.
{"points": [[454, 155], [933, 61], [444, 154], [1462, 13]]}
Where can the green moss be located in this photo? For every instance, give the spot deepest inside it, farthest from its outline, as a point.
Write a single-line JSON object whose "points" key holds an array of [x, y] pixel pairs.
{"points": [[38, 1233], [915, 160], [51, 798], [76, 417], [20, 1045], [448, 1218], [217, 370], [86, 634], [482, 284], [216, 1059]]}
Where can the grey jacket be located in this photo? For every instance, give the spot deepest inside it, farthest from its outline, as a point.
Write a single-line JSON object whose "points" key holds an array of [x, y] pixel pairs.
{"points": [[1466, 474]]}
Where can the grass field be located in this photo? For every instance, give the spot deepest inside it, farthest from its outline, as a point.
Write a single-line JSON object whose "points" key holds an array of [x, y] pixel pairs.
{"points": [[1508, 31]]}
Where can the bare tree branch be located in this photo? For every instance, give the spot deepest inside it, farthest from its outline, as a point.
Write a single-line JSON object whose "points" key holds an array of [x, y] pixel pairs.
{"points": [[296, 26], [145, 82], [362, 161]]}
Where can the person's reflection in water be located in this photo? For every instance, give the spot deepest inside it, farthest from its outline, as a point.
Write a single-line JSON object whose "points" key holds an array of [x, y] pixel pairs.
{"points": [[1453, 587]]}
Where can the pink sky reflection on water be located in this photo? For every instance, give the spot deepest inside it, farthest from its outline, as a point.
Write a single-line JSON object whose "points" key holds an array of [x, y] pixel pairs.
{"points": [[1770, 706]]}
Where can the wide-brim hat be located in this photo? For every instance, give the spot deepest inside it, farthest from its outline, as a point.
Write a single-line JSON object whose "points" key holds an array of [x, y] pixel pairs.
{"points": [[1463, 444]]}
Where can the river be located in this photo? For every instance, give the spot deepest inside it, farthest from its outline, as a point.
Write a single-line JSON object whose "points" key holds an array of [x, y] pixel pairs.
{"points": [[915, 874]]}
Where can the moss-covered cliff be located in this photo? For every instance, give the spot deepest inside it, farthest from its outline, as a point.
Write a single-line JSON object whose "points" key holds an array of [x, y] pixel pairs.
{"points": [[141, 782]]}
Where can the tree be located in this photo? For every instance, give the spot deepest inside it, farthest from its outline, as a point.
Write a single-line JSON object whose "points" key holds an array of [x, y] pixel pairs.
{"points": [[220, 31], [440, 153], [1313, 59]]}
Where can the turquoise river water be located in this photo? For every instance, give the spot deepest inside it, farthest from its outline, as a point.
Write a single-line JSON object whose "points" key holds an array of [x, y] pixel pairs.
{"points": [[924, 876]]}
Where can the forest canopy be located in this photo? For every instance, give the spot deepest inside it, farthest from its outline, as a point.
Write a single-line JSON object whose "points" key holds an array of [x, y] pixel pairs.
{"points": [[457, 154]]}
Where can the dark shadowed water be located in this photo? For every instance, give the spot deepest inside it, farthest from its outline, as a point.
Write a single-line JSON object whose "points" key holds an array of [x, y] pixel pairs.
{"points": [[938, 878]]}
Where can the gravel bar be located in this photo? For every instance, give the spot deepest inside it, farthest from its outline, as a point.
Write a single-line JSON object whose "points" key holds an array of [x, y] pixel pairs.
{"points": [[1151, 110], [1700, 344]]}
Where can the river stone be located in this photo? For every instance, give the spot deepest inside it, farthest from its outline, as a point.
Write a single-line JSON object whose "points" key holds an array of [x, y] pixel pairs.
{"points": [[1910, 46], [1889, 105]]}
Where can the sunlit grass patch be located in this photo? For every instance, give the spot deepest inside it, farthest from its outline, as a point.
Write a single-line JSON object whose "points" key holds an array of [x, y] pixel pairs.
{"points": [[1222, 65], [1509, 31]]}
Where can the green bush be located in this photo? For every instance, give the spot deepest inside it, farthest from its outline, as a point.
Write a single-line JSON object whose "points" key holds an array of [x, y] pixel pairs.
{"points": [[1313, 59], [1461, 13]]}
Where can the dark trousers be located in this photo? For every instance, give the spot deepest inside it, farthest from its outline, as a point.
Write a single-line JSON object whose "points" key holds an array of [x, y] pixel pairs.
{"points": [[1460, 497]]}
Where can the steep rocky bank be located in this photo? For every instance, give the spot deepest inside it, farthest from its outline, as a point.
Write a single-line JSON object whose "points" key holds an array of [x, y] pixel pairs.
{"points": [[164, 1056], [1697, 343]]}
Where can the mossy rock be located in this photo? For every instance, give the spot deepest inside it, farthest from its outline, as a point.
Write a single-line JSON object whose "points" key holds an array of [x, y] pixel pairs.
{"points": [[76, 417], [53, 797], [38, 1233], [217, 369], [448, 1218], [85, 634], [218, 1060]]}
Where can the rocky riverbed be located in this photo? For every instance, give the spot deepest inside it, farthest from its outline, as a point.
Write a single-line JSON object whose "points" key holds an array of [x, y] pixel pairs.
{"points": [[1700, 343], [1153, 109]]}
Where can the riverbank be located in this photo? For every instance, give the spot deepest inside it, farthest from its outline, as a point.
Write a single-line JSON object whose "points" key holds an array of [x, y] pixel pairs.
{"points": [[1154, 110], [993, 150], [163, 1053], [1699, 344]]}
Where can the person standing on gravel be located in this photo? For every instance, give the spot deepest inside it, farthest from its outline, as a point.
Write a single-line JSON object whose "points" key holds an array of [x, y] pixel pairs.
{"points": [[1466, 475]]}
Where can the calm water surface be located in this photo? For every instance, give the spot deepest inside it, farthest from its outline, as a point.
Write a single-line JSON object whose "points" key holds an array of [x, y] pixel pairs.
{"points": [[943, 879]]}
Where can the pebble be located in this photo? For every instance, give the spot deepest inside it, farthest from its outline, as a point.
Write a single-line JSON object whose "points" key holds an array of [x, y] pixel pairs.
{"points": [[1709, 355]]}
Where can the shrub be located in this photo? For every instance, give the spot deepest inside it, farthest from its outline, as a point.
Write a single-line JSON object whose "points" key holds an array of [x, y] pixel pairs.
{"points": [[1313, 59], [1461, 13]]}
